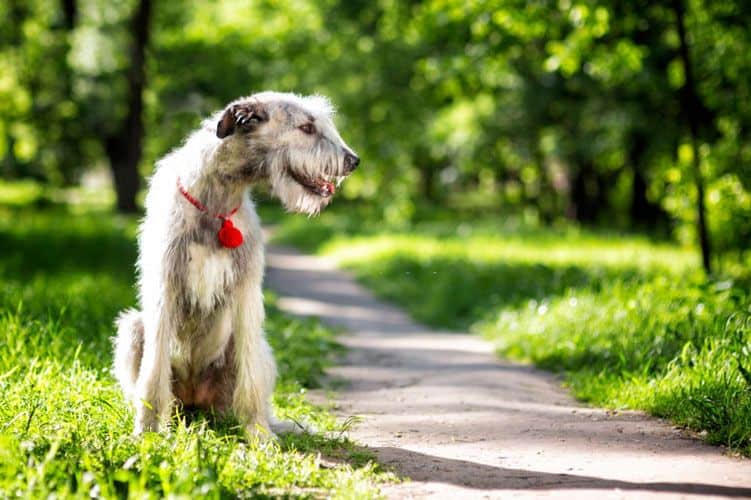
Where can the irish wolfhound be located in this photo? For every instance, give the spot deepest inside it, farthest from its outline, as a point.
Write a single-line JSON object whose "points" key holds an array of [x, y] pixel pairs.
{"points": [[198, 337]]}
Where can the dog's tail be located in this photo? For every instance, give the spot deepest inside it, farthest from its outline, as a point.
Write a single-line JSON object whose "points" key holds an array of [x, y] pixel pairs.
{"points": [[128, 345]]}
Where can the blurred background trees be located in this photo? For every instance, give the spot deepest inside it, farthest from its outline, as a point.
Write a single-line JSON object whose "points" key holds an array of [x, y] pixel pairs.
{"points": [[611, 113]]}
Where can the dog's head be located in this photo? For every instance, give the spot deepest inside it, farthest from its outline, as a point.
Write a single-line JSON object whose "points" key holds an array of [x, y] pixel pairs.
{"points": [[292, 142]]}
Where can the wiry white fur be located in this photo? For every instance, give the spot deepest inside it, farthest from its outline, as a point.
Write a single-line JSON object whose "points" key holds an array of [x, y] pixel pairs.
{"points": [[181, 266], [316, 104], [127, 349], [209, 274]]}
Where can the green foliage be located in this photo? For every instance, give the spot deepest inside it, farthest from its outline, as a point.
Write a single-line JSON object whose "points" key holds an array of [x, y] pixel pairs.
{"points": [[551, 109], [64, 427], [676, 348], [631, 323]]}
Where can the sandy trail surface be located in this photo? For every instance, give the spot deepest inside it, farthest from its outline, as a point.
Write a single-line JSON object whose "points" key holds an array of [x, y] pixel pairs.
{"points": [[441, 409]]}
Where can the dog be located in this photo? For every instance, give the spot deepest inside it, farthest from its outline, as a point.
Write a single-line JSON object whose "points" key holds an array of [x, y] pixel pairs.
{"points": [[198, 336]]}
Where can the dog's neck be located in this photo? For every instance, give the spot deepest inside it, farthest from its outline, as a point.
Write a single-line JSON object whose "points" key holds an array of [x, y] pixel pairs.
{"points": [[218, 194], [224, 180]]}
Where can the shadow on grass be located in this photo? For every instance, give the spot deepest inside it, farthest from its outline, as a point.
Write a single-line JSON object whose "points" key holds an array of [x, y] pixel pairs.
{"points": [[57, 242]]}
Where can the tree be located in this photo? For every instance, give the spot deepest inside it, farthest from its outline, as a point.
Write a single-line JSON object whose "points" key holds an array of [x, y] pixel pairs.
{"points": [[693, 109], [583, 109], [124, 146]]}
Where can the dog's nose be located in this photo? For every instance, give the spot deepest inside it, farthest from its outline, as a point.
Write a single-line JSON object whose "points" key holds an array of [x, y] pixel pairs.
{"points": [[351, 161]]}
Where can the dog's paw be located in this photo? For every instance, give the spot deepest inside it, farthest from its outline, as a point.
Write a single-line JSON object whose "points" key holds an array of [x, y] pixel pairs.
{"points": [[145, 425], [149, 420], [260, 431]]}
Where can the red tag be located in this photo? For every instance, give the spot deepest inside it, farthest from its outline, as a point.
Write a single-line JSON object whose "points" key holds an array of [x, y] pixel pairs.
{"points": [[229, 235]]}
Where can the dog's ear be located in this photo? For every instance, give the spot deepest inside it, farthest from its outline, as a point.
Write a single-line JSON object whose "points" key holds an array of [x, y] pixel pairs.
{"points": [[226, 125], [245, 116]]}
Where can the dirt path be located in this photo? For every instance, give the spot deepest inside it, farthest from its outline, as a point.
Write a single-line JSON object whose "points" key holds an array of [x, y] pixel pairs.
{"points": [[441, 409]]}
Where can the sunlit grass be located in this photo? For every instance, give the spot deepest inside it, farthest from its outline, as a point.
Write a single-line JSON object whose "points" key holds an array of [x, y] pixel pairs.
{"points": [[676, 347], [64, 427], [19, 193], [425, 272], [567, 249], [631, 322], [93, 194]]}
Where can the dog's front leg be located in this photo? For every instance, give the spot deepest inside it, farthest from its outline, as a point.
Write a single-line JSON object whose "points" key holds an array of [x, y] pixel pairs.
{"points": [[254, 362], [153, 394]]}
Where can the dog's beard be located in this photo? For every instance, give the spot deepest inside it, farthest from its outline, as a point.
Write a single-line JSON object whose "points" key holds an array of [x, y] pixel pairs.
{"points": [[296, 197], [304, 183]]}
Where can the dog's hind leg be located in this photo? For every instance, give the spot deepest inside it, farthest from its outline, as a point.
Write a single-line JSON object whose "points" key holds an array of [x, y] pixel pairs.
{"points": [[128, 350]]}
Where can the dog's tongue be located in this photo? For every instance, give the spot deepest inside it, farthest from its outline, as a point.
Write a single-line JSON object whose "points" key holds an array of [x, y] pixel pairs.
{"points": [[325, 188]]}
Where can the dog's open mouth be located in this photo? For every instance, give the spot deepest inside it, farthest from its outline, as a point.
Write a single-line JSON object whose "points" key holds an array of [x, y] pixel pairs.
{"points": [[321, 186]]}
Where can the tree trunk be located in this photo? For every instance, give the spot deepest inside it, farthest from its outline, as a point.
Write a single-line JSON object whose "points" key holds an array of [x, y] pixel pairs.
{"points": [[124, 147], [692, 105], [70, 155], [584, 194], [643, 213], [427, 166], [70, 13], [17, 12], [427, 178]]}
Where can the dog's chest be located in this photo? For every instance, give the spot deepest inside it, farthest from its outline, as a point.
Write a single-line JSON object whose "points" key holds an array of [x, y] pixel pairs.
{"points": [[210, 275]]}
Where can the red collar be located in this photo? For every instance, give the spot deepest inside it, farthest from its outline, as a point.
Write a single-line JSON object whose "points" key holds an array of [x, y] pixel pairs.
{"points": [[200, 206], [229, 236]]}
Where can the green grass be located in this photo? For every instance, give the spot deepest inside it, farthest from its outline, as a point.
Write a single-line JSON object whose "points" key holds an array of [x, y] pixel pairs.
{"points": [[631, 323], [64, 427]]}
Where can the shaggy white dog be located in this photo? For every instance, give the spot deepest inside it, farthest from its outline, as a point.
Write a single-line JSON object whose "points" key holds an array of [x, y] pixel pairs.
{"points": [[198, 336]]}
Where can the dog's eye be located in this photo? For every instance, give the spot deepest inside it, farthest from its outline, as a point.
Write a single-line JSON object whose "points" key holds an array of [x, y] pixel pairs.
{"points": [[308, 128]]}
